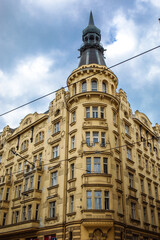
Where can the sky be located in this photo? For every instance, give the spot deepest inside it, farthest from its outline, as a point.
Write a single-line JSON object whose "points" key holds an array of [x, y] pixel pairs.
{"points": [[39, 42]]}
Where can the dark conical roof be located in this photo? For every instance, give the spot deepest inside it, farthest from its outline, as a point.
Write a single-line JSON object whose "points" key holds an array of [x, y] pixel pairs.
{"points": [[91, 51]]}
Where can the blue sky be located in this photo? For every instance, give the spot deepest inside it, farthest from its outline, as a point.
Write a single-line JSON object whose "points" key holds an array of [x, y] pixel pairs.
{"points": [[39, 41]]}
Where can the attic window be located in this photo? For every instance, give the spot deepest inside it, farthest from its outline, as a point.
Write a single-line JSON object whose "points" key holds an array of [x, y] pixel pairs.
{"points": [[57, 112]]}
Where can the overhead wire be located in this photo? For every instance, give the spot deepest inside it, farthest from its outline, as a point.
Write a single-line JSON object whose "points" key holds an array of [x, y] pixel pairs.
{"points": [[48, 94]]}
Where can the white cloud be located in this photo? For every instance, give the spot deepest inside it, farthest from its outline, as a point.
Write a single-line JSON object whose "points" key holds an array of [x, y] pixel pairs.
{"points": [[155, 3]]}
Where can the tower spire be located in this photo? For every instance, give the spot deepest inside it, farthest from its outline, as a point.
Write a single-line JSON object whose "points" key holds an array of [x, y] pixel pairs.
{"points": [[91, 50]]}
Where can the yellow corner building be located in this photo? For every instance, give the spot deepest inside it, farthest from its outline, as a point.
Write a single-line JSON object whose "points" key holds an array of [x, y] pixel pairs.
{"points": [[88, 168]]}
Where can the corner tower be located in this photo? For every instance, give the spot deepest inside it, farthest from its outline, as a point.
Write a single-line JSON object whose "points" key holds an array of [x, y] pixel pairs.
{"points": [[91, 50]]}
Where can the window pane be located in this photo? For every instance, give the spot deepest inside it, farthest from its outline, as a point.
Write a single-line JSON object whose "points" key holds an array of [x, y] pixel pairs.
{"points": [[97, 165], [97, 197], [94, 85]]}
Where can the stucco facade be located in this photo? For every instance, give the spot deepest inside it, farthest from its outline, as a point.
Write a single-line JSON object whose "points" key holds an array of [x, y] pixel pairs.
{"points": [[86, 169]]}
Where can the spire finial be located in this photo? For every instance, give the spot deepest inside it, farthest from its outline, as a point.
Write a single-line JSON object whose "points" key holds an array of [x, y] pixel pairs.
{"points": [[91, 21]]}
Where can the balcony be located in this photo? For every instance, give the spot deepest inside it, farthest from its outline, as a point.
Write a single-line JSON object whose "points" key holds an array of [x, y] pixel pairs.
{"points": [[4, 204], [31, 194], [6, 180], [132, 193], [97, 180]]}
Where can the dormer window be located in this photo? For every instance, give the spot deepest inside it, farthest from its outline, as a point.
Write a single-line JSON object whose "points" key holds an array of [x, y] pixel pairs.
{"points": [[94, 85]]}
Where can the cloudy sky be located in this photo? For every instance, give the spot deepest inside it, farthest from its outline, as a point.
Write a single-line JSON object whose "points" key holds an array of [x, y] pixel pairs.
{"points": [[38, 50]]}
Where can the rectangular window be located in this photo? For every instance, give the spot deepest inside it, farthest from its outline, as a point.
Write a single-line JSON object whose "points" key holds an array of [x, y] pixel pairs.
{"points": [[105, 165], [133, 210], [95, 112], [126, 129], [153, 171], [88, 138], [139, 159], [71, 203], [97, 199], [24, 213], [31, 182], [16, 188], [159, 218], [95, 137], [142, 188], [35, 158], [114, 118], [89, 199], [119, 204], [26, 184], [149, 189], [56, 127], [4, 219], [146, 164], [97, 165], [72, 170], [73, 142], [0, 158], [128, 153], [88, 163], [156, 193], [54, 178], [19, 190], [52, 209], [29, 211], [73, 116], [152, 216], [106, 200], [145, 214], [103, 139], [117, 171], [87, 112], [16, 216], [39, 182], [130, 180], [7, 194], [19, 167], [56, 151], [40, 159], [116, 142], [37, 212], [102, 112]]}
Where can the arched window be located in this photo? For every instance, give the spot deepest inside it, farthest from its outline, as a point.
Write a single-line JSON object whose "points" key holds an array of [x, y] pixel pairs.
{"points": [[40, 137], [74, 89], [84, 86], [11, 154], [94, 85], [112, 89], [24, 145], [104, 87]]}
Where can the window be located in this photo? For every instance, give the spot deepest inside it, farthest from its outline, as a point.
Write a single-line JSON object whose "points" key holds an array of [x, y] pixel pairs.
{"points": [[70, 235], [26, 184], [40, 137], [133, 210], [4, 219], [105, 165], [19, 167], [11, 153], [24, 213], [7, 194], [72, 170], [103, 139], [39, 182], [104, 88], [114, 117], [74, 89], [16, 216], [87, 112], [135, 237], [37, 212], [152, 216], [97, 199], [73, 142], [31, 182], [40, 159], [29, 211], [54, 178], [116, 140], [139, 159], [117, 171], [88, 138], [73, 116], [128, 153], [159, 218], [130, 180], [95, 137], [153, 171], [126, 129], [145, 214], [71, 203], [19, 190], [15, 194], [102, 112], [88, 163], [95, 112], [84, 86], [0, 158], [106, 200], [52, 209], [146, 164], [24, 145], [56, 127], [1, 194], [89, 199], [56, 151], [97, 165], [94, 85], [119, 204], [149, 189], [156, 192], [142, 185]]}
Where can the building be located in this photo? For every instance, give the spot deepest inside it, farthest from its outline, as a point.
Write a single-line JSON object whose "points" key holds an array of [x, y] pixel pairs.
{"points": [[88, 168]]}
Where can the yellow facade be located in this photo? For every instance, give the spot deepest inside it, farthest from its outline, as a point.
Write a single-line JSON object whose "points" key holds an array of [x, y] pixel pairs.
{"points": [[87, 169]]}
